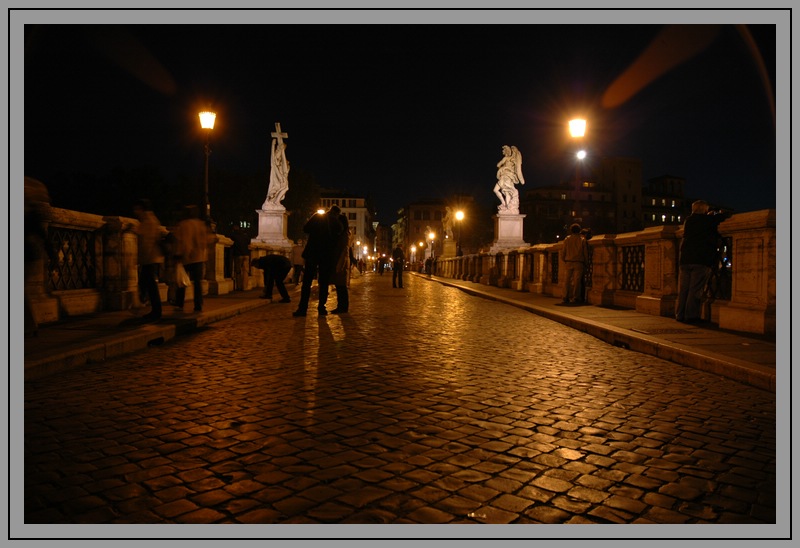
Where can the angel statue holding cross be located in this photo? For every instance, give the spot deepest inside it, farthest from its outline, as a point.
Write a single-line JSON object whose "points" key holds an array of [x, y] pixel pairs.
{"points": [[279, 171]]}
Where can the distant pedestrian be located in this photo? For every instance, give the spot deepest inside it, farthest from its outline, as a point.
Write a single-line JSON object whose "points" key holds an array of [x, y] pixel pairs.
{"points": [[297, 261], [361, 266], [150, 256], [698, 256], [322, 229], [398, 263], [241, 258], [428, 266], [341, 263], [276, 268], [192, 240], [575, 255]]}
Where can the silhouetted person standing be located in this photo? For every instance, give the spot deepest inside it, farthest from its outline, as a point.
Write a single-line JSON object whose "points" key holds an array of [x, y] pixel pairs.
{"points": [[575, 254], [148, 235], [192, 239], [341, 263], [297, 260], [399, 259], [698, 255], [322, 230]]}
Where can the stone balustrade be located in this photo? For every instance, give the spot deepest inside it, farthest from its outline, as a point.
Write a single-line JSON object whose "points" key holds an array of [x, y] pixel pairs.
{"points": [[639, 271], [97, 267], [97, 270]]}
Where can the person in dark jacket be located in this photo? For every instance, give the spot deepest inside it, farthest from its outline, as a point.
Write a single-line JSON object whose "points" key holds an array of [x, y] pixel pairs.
{"points": [[322, 229], [698, 255], [341, 263], [276, 268], [398, 263]]}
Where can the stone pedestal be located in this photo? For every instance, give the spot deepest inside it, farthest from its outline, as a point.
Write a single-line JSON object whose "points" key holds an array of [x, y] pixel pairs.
{"points": [[507, 232], [449, 248], [272, 228]]}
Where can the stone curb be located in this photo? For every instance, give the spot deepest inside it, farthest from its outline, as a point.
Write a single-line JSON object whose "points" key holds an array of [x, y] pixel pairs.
{"points": [[738, 370], [132, 340]]}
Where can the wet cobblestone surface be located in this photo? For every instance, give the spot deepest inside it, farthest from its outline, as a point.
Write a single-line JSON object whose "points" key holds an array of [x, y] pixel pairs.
{"points": [[423, 405]]}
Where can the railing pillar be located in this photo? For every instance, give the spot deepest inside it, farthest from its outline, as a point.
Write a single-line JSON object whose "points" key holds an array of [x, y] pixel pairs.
{"points": [[661, 271], [753, 289], [604, 270], [215, 280], [120, 277]]}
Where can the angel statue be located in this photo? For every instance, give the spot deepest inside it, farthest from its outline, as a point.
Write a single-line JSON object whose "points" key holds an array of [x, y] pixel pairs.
{"points": [[509, 173], [278, 176], [447, 222]]}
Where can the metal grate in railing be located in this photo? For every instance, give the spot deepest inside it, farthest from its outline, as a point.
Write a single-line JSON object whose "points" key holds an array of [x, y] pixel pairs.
{"points": [[554, 267], [719, 284], [632, 268], [77, 266]]}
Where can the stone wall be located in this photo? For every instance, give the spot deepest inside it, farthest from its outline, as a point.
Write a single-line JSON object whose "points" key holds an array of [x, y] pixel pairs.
{"points": [[97, 267], [639, 270]]}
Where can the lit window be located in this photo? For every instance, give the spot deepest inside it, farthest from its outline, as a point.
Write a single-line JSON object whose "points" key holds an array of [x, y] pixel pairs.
{"points": [[673, 203], [663, 218]]}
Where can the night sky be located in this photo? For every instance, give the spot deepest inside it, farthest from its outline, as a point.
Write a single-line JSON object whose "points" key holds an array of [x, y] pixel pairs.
{"points": [[405, 112]]}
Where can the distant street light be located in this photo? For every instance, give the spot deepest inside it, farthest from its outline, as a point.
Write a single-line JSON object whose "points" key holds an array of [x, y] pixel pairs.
{"points": [[207, 123], [459, 218]]}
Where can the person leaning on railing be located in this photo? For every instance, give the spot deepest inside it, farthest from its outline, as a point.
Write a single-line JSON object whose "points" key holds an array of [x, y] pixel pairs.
{"points": [[698, 254]]}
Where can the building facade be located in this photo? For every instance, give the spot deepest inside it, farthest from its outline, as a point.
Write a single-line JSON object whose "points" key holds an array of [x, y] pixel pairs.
{"points": [[663, 201], [415, 224], [608, 200]]}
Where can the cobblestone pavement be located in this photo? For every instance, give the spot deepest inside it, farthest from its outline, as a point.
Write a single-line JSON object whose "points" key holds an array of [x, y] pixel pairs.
{"points": [[423, 405]]}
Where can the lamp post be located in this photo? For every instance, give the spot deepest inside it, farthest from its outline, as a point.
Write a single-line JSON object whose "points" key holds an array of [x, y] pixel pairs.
{"points": [[459, 218], [431, 237], [207, 123], [577, 129]]}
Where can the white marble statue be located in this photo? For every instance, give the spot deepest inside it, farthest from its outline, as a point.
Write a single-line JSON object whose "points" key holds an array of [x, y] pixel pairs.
{"points": [[509, 173], [447, 222], [279, 171]]}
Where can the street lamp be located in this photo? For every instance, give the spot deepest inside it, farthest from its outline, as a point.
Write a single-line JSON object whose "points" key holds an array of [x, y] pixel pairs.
{"points": [[431, 237], [207, 119], [459, 218], [577, 129]]}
